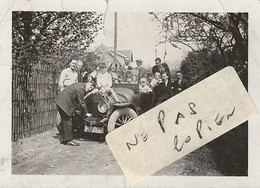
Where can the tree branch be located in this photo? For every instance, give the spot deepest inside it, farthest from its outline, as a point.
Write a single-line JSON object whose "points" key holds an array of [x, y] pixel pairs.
{"points": [[213, 22]]}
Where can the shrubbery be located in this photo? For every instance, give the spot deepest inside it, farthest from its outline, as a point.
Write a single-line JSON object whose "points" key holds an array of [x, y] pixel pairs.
{"points": [[231, 149]]}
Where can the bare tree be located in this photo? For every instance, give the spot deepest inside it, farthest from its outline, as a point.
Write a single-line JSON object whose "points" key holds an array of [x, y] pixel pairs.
{"points": [[213, 31]]}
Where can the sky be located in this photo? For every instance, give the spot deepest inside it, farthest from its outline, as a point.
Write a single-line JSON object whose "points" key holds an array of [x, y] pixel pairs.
{"points": [[137, 32]]}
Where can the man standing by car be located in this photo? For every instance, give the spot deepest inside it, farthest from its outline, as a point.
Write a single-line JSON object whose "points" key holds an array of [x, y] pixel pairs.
{"points": [[180, 84], [79, 122], [67, 101], [79, 70], [140, 68], [69, 75], [160, 67], [127, 66]]}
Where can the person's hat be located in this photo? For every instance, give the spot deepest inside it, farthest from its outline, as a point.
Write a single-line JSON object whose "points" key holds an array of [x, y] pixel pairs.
{"points": [[139, 60]]}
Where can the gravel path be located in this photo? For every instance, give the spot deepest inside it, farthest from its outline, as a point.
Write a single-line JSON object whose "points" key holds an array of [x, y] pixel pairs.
{"points": [[43, 154]]}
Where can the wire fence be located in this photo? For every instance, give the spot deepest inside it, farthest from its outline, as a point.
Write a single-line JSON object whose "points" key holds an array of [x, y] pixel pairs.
{"points": [[34, 88]]}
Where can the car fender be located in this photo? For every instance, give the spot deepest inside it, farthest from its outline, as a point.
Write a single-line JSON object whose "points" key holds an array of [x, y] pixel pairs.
{"points": [[125, 105]]}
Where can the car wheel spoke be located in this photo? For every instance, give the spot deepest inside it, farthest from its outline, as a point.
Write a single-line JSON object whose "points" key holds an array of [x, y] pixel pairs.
{"points": [[130, 118], [118, 124], [120, 120], [125, 118]]}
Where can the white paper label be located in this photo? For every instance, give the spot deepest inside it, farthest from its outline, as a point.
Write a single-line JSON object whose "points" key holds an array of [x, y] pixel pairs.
{"points": [[181, 125]]}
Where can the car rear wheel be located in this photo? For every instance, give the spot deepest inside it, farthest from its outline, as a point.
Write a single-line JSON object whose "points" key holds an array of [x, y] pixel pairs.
{"points": [[120, 117]]}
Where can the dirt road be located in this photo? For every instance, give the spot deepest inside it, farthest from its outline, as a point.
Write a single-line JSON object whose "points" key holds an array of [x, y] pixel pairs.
{"points": [[43, 154]]}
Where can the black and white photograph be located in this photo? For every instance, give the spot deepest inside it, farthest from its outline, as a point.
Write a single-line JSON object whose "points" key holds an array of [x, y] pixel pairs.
{"points": [[129, 93], [77, 76]]}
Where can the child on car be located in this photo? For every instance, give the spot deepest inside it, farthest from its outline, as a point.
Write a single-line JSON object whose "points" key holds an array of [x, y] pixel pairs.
{"points": [[143, 87], [129, 77], [150, 77], [134, 79], [157, 79], [104, 83]]}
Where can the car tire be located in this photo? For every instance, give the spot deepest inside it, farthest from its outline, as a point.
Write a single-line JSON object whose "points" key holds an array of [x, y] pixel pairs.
{"points": [[119, 117]]}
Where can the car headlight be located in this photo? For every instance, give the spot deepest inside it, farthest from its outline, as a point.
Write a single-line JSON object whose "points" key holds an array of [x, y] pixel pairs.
{"points": [[103, 107]]}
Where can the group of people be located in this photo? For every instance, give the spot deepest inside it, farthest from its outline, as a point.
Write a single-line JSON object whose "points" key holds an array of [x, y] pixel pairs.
{"points": [[162, 83], [76, 85], [119, 74]]}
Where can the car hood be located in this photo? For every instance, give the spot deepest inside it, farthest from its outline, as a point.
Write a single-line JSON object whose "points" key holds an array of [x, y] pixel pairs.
{"points": [[125, 94]]}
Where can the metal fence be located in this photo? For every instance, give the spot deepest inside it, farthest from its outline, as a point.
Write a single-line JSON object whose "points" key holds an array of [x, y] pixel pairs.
{"points": [[34, 88]]}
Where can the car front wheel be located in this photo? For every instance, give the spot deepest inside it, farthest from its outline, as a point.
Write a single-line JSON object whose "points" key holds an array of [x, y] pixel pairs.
{"points": [[120, 117]]}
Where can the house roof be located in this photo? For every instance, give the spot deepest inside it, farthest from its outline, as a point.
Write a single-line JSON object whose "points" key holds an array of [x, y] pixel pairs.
{"points": [[112, 54], [122, 53], [127, 53]]}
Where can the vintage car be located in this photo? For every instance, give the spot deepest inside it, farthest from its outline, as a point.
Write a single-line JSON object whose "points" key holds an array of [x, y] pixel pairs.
{"points": [[107, 115]]}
